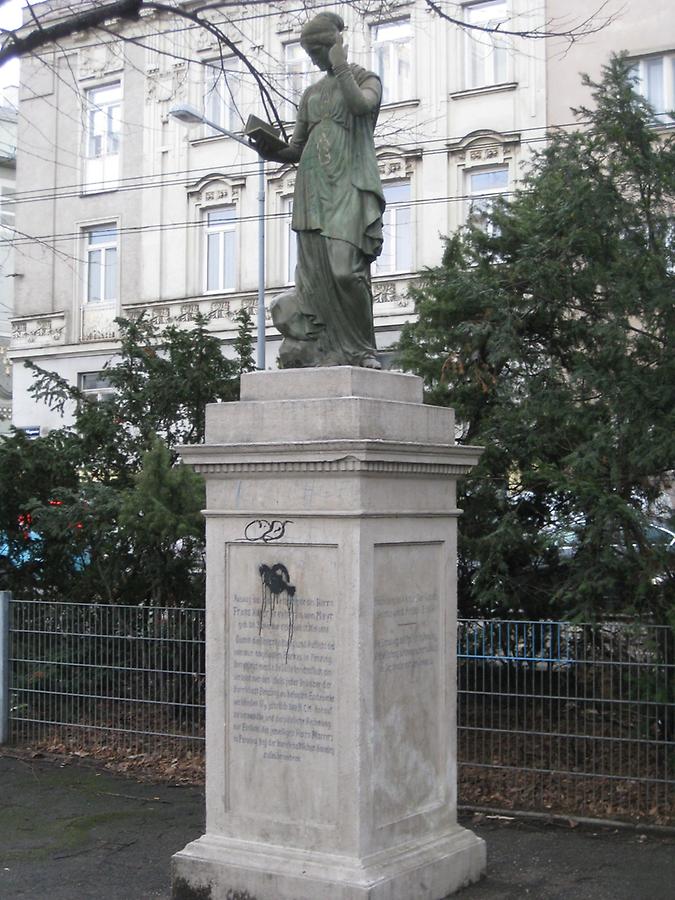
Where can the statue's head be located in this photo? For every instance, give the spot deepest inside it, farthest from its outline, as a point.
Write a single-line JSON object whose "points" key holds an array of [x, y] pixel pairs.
{"points": [[318, 36], [322, 30]]}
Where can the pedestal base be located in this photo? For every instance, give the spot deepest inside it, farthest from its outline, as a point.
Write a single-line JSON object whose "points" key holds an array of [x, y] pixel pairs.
{"points": [[216, 868], [331, 608]]}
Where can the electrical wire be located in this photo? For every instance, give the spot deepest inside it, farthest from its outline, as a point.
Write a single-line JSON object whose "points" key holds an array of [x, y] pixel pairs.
{"points": [[223, 21], [145, 181], [47, 60], [258, 16], [268, 217], [185, 177], [230, 21]]}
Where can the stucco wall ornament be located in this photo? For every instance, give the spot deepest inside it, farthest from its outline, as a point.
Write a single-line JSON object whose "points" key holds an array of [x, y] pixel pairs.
{"points": [[97, 61], [38, 332]]}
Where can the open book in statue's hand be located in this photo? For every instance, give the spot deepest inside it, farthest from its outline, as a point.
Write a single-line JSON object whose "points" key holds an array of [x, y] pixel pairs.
{"points": [[262, 133]]}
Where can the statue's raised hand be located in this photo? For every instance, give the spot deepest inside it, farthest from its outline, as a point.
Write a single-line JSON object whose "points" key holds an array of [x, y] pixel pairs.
{"points": [[263, 146], [337, 54]]}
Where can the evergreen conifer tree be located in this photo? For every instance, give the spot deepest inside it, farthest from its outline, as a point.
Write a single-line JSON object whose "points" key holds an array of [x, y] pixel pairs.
{"points": [[113, 516], [551, 333], [243, 343]]}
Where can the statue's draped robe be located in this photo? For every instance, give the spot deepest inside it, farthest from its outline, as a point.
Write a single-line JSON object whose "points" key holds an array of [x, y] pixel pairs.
{"points": [[337, 213]]}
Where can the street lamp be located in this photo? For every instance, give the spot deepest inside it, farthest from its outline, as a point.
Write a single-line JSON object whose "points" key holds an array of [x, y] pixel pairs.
{"points": [[190, 115]]}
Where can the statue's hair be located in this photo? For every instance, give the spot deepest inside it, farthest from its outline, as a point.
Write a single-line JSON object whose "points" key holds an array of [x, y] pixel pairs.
{"points": [[322, 27], [334, 18]]}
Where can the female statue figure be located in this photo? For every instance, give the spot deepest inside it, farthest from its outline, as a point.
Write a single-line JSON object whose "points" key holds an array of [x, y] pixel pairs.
{"points": [[327, 319]]}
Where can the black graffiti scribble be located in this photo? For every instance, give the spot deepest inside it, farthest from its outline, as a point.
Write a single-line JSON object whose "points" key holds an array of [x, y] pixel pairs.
{"points": [[275, 580], [266, 530]]}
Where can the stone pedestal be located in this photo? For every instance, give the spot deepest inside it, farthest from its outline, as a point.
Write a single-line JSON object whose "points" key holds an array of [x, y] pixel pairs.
{"points": [[331, 532]]}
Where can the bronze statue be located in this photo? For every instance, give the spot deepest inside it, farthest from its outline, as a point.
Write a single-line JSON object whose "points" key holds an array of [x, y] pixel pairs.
{"points": [[327, 319]]}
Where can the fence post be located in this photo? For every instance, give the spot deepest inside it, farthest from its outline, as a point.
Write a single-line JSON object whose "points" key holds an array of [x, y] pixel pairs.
{"points": [[4, 666]]}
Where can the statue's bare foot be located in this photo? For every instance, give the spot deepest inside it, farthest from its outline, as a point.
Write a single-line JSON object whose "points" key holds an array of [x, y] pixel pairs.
{"points": [[371, 362]]}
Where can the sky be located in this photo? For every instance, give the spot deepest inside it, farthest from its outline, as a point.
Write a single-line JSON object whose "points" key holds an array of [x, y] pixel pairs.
{"points": [[10, 17]]}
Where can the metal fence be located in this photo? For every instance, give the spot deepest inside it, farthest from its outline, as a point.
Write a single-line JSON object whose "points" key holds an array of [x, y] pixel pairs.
{"points": [[568, 718], [110, 679], [553, 717]]}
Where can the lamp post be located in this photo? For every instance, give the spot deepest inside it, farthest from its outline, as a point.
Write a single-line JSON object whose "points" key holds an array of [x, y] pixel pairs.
{"points": [[191, 116]]}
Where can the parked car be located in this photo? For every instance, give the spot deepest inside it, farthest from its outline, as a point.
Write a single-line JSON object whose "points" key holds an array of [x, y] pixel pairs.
{"points": [[26, 554], [657, 533], [15, 556], [566, 539]]}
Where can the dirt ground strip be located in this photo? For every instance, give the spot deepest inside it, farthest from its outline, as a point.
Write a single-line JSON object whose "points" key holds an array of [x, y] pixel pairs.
{"points": [[73, 830]]}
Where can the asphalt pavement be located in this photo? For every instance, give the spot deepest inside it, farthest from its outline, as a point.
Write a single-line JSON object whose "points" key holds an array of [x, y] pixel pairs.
{"points": [[70, 830]]}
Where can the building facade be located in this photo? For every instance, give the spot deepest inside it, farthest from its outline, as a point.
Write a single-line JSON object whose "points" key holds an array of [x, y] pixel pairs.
{"points": [[7, 274], [646, 31], [122, 209]]}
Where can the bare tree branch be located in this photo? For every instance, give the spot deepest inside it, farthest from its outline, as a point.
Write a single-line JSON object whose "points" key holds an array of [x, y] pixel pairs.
{"points": [[17, 44], [62, 23], [23, 42], [263, 83], [590, 25]]}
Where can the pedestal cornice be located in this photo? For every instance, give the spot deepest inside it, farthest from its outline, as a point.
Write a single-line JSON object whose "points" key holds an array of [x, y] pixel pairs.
{"points": [[364, 457]]}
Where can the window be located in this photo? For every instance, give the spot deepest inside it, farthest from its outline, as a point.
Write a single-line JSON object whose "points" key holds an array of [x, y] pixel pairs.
{"points": [[220, 248], [222, 93], [291, 244], [103, 121], [482, 189], [656, 82], [486, 51], [102, 137], [298, 76], [391, 59], [101, 262], [95, 386], [7, 206], [396, 253]]}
